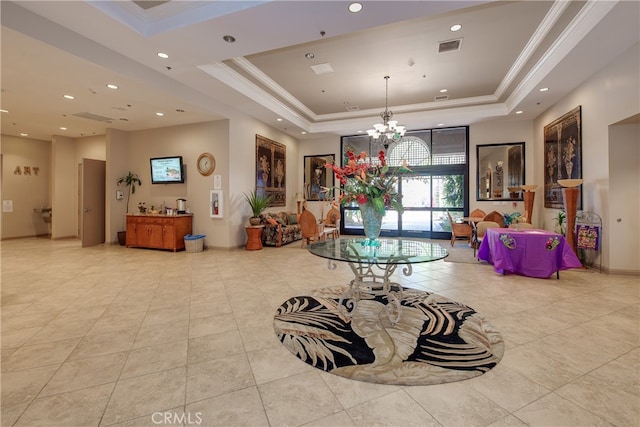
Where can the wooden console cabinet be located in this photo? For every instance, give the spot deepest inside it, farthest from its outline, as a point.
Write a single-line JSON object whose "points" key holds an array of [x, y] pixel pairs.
{"points": [[158, 231]]}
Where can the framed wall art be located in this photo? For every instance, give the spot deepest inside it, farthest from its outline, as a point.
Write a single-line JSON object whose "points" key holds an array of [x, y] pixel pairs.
{"points": [[316, 176], [562, 156], [271, 167]]}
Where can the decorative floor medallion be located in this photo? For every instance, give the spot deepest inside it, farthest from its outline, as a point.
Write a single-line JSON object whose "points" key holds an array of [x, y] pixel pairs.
{"points": [[436, 341]]}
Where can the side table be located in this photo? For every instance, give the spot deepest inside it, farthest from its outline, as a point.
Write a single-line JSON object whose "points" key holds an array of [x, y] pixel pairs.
{"points": [[254, 237]]}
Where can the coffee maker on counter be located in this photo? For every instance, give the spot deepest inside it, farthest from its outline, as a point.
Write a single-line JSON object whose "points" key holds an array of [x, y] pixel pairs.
{"points": [[182, 206]]}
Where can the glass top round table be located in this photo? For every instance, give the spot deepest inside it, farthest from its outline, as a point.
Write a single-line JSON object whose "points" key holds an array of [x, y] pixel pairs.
{"points": [[373, 266], [389, 251]]}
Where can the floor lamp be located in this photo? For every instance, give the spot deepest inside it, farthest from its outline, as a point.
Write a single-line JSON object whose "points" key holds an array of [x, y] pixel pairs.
{"points": [[570, 194], [529, 197]]}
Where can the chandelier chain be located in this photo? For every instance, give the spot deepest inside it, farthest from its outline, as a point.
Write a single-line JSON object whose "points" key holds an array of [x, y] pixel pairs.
{"points": [[388, 131]]}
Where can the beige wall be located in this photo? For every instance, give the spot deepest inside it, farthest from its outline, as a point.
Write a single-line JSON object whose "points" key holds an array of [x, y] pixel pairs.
{"points": [[606, 98], [64, 188], [497, 132], [325, 145], [27, 192], [188, 141], [242, 158], [117, 151]]}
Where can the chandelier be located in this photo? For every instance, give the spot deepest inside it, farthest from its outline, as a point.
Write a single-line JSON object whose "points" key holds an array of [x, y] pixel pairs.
{"points": [[388, 131]]}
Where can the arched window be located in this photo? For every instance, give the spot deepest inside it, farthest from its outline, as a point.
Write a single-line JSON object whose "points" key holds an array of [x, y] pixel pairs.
{"points": [[410, 148]]}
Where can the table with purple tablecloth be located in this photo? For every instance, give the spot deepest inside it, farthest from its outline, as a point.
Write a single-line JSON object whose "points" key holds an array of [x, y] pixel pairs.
{"points": [[530, 252]]}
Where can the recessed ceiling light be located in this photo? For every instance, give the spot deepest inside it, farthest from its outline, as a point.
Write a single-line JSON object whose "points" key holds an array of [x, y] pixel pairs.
{"points": [[163, 55], [4, 111], [456, 27], [544, 89], [355, 7], [309, 55], [279, 119], [303, 132], [112, 86], [159, 114], [69, 96], [443, 90], [440, 124], [229, 39], [62, 128], [519, 112], [24, 134]]}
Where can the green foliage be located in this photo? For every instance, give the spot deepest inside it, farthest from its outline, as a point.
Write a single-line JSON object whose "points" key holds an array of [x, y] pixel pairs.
{"points": [[561, 223], [366, 182], [257, 202], [453, 191], [130, 181]]}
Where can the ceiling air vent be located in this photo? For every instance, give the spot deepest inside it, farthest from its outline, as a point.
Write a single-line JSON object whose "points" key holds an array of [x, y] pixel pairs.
{"points": [[441, 97], [449, 46], [91, 116], [323, 68], [353, 108]]}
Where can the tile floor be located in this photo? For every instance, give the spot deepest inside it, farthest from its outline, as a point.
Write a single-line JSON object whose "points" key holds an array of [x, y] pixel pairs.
{"points": [[108, 336]]}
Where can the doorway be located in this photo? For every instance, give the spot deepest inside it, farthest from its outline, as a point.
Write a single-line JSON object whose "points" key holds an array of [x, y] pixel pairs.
{"points": [[91, 217]]}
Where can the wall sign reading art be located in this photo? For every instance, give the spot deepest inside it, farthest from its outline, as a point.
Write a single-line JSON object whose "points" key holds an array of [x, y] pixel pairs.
{"points": [[26, 170], [271, 169], [562, 156]]}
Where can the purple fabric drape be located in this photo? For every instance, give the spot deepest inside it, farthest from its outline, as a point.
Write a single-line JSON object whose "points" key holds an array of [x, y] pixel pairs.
{"points": [[530, 252]]}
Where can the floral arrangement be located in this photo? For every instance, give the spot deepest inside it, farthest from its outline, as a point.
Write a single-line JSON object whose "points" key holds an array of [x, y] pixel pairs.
{"points": [[366, 182], [514, 218]]}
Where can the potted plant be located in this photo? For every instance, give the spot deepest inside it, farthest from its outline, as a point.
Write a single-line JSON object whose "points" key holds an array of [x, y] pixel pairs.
{"points": [[258, 203], [561, 223], [130, 181]]}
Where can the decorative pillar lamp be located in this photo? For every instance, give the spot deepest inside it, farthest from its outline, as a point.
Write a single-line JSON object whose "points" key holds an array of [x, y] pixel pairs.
{"points": [[529, 197], [299, 201], [570, 195]]}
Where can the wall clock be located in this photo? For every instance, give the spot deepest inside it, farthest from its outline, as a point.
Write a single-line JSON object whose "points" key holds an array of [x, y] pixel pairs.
{"points": [[206, 164]]}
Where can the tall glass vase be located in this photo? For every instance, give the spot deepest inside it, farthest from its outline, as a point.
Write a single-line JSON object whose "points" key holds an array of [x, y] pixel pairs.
{"points": [[372, 223]]}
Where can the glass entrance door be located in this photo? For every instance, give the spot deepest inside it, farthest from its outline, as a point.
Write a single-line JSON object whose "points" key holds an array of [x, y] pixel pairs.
{"points": [[426, 199]]}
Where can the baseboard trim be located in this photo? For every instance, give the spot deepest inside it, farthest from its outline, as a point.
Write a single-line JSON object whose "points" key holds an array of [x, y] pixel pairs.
{"points": [[617, 272]]}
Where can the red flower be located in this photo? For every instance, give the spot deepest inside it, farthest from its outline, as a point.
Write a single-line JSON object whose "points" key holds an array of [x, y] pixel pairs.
{"points": [[361, 199]]}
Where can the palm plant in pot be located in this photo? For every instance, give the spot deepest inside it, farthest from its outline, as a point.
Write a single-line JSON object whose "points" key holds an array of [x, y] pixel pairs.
{"points": [[258, 202], [130, 181]]}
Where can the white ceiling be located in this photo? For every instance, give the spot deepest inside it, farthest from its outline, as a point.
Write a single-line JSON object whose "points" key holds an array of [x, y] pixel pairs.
{"points": [[509, 51]]}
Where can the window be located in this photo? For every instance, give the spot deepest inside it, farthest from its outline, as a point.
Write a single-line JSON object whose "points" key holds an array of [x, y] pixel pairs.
{"points": [[439, 181]]}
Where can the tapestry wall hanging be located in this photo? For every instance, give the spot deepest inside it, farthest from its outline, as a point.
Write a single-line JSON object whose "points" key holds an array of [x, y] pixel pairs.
{"points": [[562, 156], [271, 166]]}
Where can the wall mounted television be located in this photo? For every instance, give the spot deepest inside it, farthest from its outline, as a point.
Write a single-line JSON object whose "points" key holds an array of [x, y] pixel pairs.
{"points": [[167, 170]]}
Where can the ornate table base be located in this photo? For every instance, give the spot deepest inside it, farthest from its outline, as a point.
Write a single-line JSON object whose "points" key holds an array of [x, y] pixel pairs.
{"points": [[373, 267], [369, 282]]}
